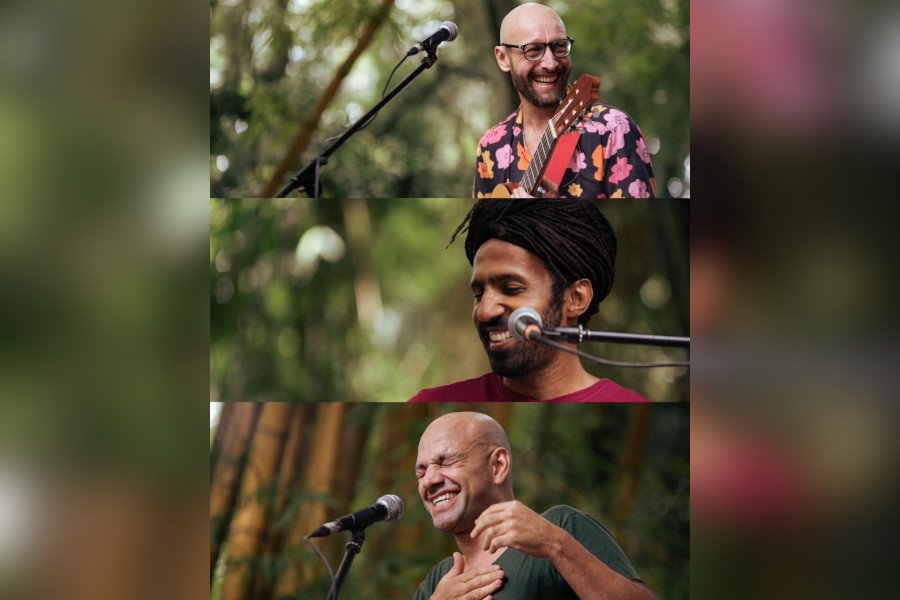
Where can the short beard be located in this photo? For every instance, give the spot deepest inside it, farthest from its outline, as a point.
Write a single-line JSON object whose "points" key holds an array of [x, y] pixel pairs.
{"points": [[529, 356], [552, 100]]}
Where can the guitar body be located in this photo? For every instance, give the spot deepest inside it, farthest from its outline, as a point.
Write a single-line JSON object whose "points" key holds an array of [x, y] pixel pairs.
{"points": [[582, 95], [504, 190]]}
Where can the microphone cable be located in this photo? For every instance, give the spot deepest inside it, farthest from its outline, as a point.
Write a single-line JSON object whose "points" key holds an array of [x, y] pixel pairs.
{"points": [[324, 560], [604, 361]]}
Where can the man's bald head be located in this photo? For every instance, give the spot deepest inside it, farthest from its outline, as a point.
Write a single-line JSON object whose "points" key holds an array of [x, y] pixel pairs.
{"points": [[470, 426], [513, 26]]}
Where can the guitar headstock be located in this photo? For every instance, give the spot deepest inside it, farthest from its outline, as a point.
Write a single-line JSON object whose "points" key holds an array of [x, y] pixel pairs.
{"points": [[582, 95]]}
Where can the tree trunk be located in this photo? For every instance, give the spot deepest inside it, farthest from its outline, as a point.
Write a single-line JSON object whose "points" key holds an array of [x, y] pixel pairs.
{"points": [[359, 243], [319, 480], [249, 522], [233, 436], [295, 450], [309, 126], [632, 455]]}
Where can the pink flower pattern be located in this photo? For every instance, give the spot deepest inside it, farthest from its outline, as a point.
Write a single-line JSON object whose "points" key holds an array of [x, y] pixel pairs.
{"points": [[493, 136], [504, 156], [642, 151], [638, 189], [616, 119], [616, 142], [620, 171], [577, 162]]}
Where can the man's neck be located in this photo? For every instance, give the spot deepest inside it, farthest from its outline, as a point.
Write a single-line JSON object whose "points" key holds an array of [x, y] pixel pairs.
{"points": [[475, 555], [563, 376], [532, 116]]}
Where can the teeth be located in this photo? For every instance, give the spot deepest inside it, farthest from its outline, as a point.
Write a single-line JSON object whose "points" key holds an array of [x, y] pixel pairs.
{"points": [[498, 336], [442, 498], [545, 79]]}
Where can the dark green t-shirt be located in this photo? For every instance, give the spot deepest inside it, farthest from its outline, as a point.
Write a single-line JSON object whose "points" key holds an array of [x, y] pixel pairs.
{"points": [[529, 577]]}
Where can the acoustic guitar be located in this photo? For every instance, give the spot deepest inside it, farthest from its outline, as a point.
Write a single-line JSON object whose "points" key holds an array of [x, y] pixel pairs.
{"points": [[582, 96]]}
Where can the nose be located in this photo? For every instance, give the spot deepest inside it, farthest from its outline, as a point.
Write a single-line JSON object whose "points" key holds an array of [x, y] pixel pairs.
{"points": [[431, 478], [488, 308], [548, 61]]}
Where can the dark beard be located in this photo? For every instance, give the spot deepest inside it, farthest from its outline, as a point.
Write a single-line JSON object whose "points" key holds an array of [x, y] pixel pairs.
{"points": [[527, 356], [551, 100]]}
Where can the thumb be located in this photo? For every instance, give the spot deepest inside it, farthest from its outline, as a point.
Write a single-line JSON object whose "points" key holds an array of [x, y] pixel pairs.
{"points": [[459, 564], [552, 188]]}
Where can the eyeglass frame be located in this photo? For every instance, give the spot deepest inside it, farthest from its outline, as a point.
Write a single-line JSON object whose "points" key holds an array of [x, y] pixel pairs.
{"points": [[543, 50]]}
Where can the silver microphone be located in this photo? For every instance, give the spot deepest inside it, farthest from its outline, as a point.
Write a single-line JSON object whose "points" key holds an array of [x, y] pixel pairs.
{"points": [[525, 323], [447, 32], [388, 508]]}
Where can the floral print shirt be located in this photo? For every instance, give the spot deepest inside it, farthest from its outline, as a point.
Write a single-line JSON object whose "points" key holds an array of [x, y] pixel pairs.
{"points": [[611, 159]]}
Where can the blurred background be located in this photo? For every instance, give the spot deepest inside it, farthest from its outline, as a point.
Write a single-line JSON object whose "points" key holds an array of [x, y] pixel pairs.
{"points": [[285, 77], [358, 300], [278, 471]]}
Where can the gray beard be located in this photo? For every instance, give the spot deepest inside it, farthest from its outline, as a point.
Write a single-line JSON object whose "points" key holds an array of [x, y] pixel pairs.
{"points": [[523, 85]]}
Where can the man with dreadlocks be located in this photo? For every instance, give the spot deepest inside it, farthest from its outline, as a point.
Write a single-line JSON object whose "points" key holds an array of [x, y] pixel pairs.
{"points": [[607, 158], [556, 256]]}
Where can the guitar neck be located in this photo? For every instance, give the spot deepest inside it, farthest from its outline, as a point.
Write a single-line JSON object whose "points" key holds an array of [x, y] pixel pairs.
{"points": [[532, 178]]}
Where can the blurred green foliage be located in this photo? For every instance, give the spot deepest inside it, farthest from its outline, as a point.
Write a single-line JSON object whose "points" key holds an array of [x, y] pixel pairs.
{"points": [[561, 454], [358, 300], [271, 61]]}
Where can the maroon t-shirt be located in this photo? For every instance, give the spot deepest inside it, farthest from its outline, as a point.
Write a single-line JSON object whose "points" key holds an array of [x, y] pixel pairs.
{"points": [[490, 388]]}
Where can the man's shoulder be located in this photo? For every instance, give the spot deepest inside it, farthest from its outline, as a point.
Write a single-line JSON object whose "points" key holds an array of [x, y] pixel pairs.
{"points": [[500, 130], [559, 513], [603, 118], [604, 390], [462, 391]]}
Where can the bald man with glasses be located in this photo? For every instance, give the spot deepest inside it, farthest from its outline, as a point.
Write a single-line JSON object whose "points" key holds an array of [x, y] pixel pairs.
{"points": [[605, 157]]}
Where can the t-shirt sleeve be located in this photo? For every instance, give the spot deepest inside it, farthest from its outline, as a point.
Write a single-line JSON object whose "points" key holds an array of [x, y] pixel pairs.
{"points": [[595, 537]]}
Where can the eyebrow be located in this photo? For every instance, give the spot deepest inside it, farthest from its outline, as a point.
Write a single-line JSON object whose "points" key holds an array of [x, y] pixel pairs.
{"points": [[497, 280], [440, 460]]}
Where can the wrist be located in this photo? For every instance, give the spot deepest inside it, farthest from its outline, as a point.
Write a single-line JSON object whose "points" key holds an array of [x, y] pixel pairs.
{"points": [[556, 549]]}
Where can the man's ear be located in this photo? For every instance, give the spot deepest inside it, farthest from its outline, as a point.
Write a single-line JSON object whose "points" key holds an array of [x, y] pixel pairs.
{"points": [[578, 298], [500, 465], [502, 59]]}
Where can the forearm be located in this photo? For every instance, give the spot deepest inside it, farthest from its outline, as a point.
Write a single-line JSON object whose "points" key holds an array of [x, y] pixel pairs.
{"points": [[588, 576]]}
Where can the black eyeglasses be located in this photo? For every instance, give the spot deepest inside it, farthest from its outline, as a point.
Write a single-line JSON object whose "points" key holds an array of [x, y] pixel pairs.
{"points": [[535, 51]]}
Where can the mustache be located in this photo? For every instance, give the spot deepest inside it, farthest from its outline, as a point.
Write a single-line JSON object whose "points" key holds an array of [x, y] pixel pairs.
{"points": [[492, 324]]}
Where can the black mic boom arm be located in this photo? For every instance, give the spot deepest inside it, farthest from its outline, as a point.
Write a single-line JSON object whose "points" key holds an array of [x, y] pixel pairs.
{"points": [[580, 334]]}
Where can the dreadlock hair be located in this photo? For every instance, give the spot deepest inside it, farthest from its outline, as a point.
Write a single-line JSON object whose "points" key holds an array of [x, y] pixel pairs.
{"points": [[571, 237]]}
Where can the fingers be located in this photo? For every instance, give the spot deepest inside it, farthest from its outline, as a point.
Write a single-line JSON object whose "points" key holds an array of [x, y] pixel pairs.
{"points": [[551, 190], [485, 585], [474, 585], [496, 513]]}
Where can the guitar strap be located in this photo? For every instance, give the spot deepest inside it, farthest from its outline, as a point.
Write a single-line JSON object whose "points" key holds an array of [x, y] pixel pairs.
{"points": [[562, 154]]}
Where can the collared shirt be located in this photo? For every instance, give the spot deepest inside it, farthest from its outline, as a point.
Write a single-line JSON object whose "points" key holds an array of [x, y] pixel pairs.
{"points": [[611, 159]]}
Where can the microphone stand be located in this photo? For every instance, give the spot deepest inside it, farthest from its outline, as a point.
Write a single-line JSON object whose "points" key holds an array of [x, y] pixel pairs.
{"points": [[308, 178], [579, 334], [353, 548]]}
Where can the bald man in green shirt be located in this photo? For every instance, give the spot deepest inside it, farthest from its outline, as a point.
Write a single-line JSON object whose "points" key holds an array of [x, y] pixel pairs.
{"points": [[507, 551]]}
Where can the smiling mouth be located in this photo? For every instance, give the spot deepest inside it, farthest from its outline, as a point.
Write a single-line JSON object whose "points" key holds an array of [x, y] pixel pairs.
{"points": [[498, 336], [546, 79], [444, 498]]}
